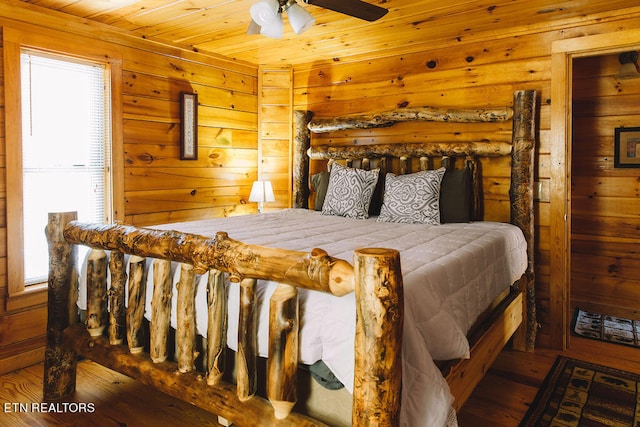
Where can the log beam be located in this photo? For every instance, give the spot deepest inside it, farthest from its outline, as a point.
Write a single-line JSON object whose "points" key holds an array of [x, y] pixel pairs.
{"points": [[431, 114], [315, 270], [432, 149]]}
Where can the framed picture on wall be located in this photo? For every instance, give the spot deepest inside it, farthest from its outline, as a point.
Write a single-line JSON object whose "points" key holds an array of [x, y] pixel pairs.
{"points": [[627, 147], [188, 126]]}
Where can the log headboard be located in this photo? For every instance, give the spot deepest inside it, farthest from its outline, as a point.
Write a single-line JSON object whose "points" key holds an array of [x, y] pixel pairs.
{"points": [[522, 114]]}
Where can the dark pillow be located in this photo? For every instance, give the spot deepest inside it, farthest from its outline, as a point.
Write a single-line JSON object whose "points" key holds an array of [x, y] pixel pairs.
{"points": [[320, 183], [378, 194], [456, 196]]}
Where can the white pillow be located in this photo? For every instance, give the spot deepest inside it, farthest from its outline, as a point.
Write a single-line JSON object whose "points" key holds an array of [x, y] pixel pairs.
{"points": [[349, 192], [413, 198]]}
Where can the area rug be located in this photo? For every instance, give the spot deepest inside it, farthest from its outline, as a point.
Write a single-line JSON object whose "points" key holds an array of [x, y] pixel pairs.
{"points": [[577, 393], [607, 328]]}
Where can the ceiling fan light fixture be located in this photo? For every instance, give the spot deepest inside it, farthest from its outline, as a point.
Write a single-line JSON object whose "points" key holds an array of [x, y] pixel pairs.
{"points": [[299, 18], [265, 11], [273, 28], [253, 28]]}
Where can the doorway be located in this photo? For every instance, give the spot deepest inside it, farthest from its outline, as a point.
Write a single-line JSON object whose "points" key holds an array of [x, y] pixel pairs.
{"points": [[564, 52]]}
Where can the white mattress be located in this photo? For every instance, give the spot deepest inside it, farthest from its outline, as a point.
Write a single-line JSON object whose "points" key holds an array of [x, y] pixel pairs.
{"points": [[451, 273]]}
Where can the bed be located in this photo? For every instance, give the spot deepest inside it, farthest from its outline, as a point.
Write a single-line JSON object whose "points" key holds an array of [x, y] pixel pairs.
{"points": [[366, 281]]}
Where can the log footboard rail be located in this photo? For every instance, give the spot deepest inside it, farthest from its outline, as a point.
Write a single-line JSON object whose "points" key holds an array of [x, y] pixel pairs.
{"points": [[113, 333]]}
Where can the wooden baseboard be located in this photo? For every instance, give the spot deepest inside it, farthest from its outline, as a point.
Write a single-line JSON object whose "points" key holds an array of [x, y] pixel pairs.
{"points": [[21, 360]]}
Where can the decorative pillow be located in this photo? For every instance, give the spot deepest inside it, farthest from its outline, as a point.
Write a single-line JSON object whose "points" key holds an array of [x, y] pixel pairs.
{"points": [[456, 196], [320, 183], [349, 192], [412, 198]]}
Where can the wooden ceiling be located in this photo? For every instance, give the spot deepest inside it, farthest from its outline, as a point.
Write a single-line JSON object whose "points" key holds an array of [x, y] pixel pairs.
{"points": [[220, 26]]}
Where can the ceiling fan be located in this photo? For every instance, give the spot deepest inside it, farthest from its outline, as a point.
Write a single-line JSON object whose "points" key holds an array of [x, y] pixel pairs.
{"points": [[266, 15], [355, 8]]}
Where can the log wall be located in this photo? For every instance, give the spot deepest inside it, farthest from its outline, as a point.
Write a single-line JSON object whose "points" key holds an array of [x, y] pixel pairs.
{"points": [[157, 186], [479, 69], [605, 201]]}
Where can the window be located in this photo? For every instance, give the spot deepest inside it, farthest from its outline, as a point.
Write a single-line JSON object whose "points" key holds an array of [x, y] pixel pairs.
{"points": [[65, 148], [47, 140]]}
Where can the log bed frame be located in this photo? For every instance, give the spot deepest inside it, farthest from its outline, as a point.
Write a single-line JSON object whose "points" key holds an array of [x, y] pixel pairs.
{"points": [[114, 338]]}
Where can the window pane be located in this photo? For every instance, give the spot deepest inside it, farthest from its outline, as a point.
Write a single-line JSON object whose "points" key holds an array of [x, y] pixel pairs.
{"points": [[64, 144]]}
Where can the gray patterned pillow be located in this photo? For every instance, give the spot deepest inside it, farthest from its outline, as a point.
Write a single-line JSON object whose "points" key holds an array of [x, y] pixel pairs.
{"points": [[349, 192], [413, 198]]}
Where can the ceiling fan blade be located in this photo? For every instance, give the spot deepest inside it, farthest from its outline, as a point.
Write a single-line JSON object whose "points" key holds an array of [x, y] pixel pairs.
{"points": [[355, 8]]}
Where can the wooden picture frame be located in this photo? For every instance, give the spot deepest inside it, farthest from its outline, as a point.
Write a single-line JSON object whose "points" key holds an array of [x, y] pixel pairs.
{"points": [[188, 126], [627, 147]]}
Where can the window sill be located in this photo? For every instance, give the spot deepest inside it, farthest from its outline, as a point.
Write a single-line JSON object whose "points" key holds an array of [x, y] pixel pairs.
{"points": [[32, 295]]}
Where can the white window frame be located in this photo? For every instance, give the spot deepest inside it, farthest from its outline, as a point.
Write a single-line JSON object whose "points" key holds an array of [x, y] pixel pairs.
{"points": [[19, 295]]}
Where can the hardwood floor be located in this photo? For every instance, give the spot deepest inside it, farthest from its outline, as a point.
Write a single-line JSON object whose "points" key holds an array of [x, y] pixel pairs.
{"points": [[503, 396], [117, 401], [501, 399]]}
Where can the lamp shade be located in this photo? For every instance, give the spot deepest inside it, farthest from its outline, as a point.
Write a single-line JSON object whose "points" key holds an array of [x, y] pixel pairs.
{"points": [[264, 11], [628, 71], [629, 65], [262, 191], [299, 18]]}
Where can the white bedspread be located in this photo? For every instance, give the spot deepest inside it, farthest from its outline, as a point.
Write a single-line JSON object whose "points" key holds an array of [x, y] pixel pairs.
{"points": [[451, 273]]}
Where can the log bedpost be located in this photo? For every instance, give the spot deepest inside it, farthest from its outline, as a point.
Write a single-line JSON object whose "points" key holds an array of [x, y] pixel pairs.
{"points": [[59, 362], [301, 144], [216, 327], [379, 322], [135, 308], [186, 318], [117, 311], [160, 310], [283, 350], [96, 292], [522, 209]]}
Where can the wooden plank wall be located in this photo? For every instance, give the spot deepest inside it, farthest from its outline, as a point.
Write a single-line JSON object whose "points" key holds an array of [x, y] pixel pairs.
{"points": [[158, 186], [479, 69], [275, 132], [605, 201]]}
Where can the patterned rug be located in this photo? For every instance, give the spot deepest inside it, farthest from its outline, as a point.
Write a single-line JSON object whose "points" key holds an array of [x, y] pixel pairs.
{"points": [[577, 393], [607, 328]]}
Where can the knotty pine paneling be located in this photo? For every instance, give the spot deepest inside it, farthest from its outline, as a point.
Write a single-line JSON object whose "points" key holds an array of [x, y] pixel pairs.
{"points": [[472, 73], [276, 132], [605, 201]]}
